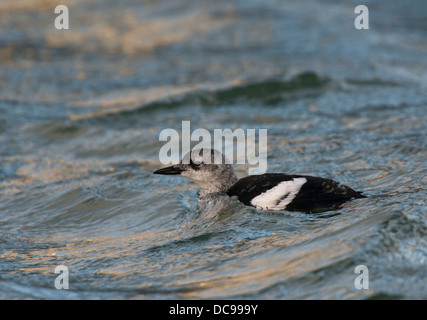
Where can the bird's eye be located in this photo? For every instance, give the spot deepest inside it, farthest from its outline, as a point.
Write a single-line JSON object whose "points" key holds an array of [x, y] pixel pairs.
{"points": [[195, 165]]}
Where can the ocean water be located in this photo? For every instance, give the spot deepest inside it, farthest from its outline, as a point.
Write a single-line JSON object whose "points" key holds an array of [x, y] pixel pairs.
{"points": [[80, 115]]}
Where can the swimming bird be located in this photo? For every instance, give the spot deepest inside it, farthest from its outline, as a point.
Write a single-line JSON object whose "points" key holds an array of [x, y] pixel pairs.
{"points": [[269, 191]]}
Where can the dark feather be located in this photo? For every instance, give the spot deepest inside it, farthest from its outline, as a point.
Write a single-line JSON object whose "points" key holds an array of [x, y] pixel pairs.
{"points": [[317, 194]]}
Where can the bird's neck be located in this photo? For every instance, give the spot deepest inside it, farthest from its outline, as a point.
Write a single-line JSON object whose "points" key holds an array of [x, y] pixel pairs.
{"points": [[217, 186]]}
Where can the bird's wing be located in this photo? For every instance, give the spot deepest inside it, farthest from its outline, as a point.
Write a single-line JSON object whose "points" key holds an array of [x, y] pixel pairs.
{"points": [[291, 192], [267, 191]]}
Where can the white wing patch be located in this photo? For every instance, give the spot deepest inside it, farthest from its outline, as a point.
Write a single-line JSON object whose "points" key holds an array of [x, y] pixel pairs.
{"points": [[280, 196]]}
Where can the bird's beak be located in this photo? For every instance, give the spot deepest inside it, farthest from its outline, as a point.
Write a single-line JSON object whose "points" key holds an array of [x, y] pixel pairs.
{"points": [[169, 170]]}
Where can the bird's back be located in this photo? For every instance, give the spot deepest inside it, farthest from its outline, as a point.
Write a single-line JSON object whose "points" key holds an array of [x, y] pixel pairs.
{"points": [[276, 191]]}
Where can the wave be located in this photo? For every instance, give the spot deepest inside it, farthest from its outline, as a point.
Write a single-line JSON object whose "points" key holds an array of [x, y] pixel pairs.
{"points": [[267, 91]]}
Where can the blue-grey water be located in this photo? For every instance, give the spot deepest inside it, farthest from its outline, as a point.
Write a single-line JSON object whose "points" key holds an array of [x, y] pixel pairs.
{"points": [[80, 115]]}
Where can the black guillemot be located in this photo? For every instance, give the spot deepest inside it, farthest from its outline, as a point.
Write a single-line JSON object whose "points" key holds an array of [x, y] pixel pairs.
{"points": [[269, 191]]}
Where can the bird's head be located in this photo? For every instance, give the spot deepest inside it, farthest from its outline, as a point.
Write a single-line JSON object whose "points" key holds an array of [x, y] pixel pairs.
{"points": [[208, 168]]}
